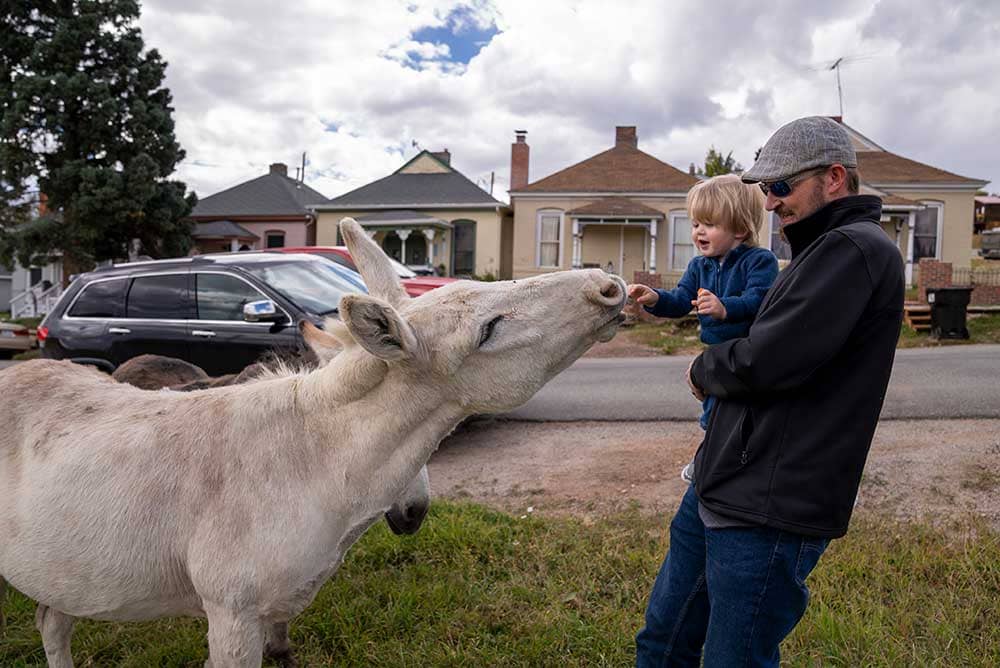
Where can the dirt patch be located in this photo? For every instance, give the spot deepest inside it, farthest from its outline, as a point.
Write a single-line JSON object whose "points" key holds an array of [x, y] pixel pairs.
{"points": [[928, 469], [622, 346]]}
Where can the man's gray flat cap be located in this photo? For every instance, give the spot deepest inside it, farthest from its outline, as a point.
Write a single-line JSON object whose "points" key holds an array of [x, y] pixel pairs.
{"points": [[813, 141]]}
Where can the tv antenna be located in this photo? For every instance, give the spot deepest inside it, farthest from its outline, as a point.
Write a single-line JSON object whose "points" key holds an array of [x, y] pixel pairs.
{"points": [[835, 66]]}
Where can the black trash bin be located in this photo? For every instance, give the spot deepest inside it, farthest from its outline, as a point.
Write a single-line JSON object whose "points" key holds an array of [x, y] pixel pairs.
{"points": [[948, 312]]}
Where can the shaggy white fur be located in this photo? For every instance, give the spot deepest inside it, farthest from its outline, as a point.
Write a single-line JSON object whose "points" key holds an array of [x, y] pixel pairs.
{"points": [[237, 503]]}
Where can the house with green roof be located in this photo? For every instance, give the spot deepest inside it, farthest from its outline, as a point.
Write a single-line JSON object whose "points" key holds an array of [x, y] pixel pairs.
{"points": [[427, 215]]}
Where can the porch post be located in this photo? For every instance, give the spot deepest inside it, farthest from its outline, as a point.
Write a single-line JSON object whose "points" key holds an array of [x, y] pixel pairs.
{"points": [[652, 246], [911, 223], [577, 245], [402, 234], [429, 233]]}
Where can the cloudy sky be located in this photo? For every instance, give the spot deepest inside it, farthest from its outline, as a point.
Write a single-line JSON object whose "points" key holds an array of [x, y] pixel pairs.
{"points": [[362, 86]]}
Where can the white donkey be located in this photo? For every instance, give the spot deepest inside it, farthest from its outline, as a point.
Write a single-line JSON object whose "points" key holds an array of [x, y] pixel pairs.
{"points": [[238, 503]]}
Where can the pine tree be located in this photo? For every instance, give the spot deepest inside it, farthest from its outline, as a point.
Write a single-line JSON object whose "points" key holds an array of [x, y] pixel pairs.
{"points": [[86, 121], [715, 164]]}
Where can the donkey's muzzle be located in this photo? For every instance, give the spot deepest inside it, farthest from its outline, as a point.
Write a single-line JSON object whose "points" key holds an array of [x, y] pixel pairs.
{"points": [[406, 520]]}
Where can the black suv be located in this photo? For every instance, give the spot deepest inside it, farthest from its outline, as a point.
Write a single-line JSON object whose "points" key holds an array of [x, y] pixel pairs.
{"points": [[220, 312]]}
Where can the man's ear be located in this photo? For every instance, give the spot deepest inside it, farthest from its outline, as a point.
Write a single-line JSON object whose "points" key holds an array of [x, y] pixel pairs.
{"points": [[378, 328]]}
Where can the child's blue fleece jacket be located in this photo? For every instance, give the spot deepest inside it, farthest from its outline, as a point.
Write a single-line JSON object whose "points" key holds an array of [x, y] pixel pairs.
{"points": [[740, 282]]}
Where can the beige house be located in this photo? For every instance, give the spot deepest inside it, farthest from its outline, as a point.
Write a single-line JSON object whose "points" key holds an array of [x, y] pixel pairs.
{"points": [[621, 210], [925, 210], [428, 216]]}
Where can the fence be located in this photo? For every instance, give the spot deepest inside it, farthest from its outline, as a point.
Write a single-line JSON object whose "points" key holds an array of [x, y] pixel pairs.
{"points": [[974, 277], [985, 283]]}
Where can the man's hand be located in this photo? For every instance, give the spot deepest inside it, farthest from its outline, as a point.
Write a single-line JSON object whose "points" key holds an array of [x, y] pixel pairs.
{"points": [[708, 304], [698, 393]]}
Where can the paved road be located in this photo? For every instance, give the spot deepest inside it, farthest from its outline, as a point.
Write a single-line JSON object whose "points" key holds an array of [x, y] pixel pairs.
{"points": [[952, 382]]}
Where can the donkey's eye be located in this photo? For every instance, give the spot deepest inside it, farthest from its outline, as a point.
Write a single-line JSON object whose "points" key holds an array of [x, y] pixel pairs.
{"points": [[487, 332]]}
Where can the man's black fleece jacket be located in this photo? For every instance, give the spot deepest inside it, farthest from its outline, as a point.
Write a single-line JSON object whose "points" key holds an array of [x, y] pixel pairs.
{"points": [[800, 396]]}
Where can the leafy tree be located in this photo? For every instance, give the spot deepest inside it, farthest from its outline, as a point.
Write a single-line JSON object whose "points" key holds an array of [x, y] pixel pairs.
{"points": [[86, 121], [715, 164]]}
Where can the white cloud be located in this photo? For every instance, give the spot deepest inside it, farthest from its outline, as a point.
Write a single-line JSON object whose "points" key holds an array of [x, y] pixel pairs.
{"points": [[255, 83]]}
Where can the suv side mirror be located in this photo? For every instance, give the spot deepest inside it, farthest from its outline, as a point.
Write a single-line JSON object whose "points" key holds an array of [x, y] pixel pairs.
{"points": [[261, 311]]}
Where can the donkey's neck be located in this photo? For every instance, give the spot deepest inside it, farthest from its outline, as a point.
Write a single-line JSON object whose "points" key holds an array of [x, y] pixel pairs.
{"points": [[381, 427]]}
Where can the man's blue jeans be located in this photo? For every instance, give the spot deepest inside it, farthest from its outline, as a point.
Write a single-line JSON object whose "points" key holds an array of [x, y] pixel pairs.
{"points": [[736, 591]]}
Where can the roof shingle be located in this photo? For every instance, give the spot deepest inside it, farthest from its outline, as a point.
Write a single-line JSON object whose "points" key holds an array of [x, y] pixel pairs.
{"points": [[221, 229], [416, 190], [268, 195], [620, 169], [616, 206], [886, 167]]}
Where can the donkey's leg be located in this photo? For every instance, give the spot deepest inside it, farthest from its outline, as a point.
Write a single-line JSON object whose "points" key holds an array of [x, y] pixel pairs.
{"points": [[56, 629], [277, 646], [235, 639], [3, 595]]}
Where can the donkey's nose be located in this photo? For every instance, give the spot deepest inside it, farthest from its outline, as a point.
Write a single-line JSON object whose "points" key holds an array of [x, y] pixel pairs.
{"points": [[607, 291]]}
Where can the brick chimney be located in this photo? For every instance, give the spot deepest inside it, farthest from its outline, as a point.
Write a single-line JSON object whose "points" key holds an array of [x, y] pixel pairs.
{"points": [[625, 136], [443, 155], [519, 160], [279, 168]]}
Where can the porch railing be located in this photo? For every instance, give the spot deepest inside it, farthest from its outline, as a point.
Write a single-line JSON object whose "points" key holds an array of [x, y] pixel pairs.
{"points": [[35, 301]]}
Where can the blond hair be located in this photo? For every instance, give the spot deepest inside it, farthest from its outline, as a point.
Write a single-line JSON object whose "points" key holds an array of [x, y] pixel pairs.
{"points": [[725, 200]]}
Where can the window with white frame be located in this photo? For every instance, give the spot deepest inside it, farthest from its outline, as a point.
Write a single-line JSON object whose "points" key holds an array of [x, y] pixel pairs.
{"points": [[549, 236], [682, 247], [927, 231]]}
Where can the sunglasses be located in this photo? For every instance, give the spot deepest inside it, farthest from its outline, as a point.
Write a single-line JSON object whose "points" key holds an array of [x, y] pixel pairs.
{"points": [[784, 187]]}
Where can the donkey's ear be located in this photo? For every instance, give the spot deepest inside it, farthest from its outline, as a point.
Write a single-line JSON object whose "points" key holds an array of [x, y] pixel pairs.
{"points": [[324, 344], [378, 328], [373, 263]]}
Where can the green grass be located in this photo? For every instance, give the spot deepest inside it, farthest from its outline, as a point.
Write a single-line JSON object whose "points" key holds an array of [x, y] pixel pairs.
{"points": [[482, 588], [28, 322]]}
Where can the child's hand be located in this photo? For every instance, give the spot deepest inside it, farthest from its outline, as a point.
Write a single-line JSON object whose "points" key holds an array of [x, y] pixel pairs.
{"points": [[642, 294], [708, 304]]}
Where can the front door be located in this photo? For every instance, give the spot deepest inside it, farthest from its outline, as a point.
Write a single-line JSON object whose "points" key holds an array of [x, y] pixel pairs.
{"points": [[600, 247], [633, 252]]}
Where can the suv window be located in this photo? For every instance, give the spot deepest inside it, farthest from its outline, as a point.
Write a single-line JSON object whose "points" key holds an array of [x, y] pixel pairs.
{"points": [[101, 299], [221, 297], [163, 297], [338, 258]]}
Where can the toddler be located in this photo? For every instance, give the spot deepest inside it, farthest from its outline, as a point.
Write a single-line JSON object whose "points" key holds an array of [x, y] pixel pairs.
{"points": [[727, 281]]}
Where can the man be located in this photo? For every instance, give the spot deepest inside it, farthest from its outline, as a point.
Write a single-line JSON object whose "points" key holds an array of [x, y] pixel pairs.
{"points": [[798, 400]]}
